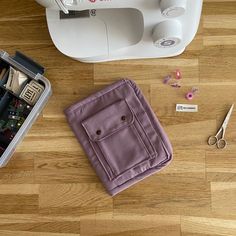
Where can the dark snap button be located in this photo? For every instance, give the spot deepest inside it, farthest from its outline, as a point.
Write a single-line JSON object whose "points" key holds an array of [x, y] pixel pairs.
{"points": [[98, 132], [123, 118]]}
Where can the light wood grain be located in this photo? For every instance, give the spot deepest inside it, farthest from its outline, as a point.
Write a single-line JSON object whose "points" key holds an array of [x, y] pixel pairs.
{"points": [[49, 187]]}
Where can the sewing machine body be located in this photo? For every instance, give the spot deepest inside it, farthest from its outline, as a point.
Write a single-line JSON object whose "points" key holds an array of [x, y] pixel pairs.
{"points": [[105, 30]]}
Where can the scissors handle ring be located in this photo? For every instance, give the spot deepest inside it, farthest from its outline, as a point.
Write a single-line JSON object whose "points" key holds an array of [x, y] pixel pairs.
{"points": [[212, 140], [221, 144]]}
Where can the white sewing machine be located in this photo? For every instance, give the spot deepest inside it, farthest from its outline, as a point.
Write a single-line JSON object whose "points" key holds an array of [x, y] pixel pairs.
{"points": [[105, 30]]}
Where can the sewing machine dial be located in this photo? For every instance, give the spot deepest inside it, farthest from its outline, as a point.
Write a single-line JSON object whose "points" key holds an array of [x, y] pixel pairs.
{"points": [[167, 34], [173, 8]]}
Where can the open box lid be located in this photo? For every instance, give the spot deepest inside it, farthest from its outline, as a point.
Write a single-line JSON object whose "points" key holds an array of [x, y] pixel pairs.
{"points": [[23, 61]]}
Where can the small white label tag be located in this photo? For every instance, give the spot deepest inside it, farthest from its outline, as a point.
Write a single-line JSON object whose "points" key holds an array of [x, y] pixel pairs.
{"points": [[186, 108]]}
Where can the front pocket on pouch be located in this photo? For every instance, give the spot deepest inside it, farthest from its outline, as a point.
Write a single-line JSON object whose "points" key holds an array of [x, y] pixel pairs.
{"points": [[123, 149], [116, 139]]}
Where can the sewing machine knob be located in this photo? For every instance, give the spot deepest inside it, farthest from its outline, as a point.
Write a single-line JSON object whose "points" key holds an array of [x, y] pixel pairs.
{"points": [[173, 8], [167, 34]]}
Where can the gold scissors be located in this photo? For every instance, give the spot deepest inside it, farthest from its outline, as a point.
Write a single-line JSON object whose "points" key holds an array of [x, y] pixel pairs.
{"points": [[220, 142]]}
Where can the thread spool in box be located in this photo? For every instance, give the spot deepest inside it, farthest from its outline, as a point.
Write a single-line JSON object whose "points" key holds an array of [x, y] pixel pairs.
{"points": [[167, 34], [173, 8]]}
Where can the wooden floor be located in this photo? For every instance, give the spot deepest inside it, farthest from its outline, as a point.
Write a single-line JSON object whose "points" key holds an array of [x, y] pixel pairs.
{"points": [[49, 187]]}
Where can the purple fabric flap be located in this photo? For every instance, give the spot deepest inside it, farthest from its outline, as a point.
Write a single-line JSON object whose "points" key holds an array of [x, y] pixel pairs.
{"points": [[108, 120]]}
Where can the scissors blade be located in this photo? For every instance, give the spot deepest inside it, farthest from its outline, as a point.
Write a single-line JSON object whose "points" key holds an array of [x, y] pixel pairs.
{"points": [[226, 121]]}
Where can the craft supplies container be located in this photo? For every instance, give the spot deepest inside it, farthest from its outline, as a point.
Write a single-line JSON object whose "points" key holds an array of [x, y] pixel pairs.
{"points": [[34, 72]]}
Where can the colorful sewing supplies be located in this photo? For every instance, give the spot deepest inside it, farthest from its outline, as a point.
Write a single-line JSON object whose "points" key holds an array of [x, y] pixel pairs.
{"points": [[175, 85], [16, 81], [32, 92], [15, 116], [173, 79], [167, 79], [2, 73], [178, 74], [190, 95]]}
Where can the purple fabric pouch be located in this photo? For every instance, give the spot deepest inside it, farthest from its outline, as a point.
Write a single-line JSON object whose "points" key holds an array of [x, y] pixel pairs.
{"points": [[120, 134]]}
